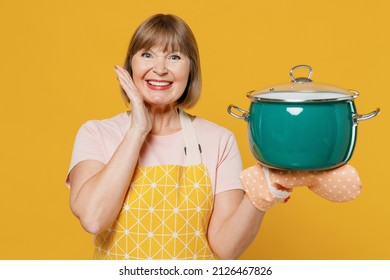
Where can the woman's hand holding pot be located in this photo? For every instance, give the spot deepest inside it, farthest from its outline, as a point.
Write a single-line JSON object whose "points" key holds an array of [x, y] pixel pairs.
{"points": [[140, 117], [266, 187], [260, 190], [339, 184]]}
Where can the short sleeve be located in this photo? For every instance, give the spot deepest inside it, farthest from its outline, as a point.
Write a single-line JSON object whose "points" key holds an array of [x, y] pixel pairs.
{"points": [[87, 146], [229, 167]]}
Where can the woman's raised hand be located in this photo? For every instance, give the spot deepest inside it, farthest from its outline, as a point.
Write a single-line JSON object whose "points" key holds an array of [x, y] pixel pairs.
{"points": [[140, 117]]}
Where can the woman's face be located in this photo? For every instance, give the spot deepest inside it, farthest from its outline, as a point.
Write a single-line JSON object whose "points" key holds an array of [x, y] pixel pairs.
{"points": [[161, 77]]}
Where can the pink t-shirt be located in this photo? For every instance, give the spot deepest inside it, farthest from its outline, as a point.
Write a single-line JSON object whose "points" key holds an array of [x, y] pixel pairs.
{"points": [[98, 140]]}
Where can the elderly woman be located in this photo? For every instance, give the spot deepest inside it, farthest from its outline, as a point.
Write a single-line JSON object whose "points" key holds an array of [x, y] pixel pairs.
{"points": [[156, 182]]}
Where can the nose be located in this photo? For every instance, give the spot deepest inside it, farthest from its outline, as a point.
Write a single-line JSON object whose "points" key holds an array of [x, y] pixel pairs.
{"points": [[160, 66]]}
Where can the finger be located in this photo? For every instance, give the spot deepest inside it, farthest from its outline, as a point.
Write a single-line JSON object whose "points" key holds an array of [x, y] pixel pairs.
{"points": [[126, 83], [123, 71], [124, 76], [130, 90]]}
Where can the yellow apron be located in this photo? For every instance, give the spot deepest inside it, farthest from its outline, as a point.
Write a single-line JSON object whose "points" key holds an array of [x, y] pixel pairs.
{"points": [[166, 211]]}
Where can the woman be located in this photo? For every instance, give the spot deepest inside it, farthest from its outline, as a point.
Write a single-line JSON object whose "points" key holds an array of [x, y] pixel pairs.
{"points": [[157, 183], [163, 75]]}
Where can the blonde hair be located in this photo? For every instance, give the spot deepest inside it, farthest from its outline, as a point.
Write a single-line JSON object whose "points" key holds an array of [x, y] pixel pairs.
{"points": [[173, 34]]}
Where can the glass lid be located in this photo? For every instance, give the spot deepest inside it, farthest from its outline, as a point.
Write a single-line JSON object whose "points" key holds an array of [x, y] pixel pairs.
{"points": [[301, 90]]}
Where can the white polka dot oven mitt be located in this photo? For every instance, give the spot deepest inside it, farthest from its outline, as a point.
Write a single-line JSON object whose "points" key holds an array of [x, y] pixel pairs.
{"points": [[266, 187]]}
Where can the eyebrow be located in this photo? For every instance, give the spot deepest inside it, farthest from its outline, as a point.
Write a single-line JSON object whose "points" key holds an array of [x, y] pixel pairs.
{"points": [[168, 52]]}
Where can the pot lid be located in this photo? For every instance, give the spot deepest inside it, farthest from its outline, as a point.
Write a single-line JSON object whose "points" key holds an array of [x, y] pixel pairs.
{"points": [[302, 90]]}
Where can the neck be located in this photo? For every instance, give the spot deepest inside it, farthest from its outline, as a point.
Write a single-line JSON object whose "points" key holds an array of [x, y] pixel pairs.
{"points": [[166, 120]]}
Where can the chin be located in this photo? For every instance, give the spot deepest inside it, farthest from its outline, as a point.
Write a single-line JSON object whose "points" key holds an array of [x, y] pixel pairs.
{"points": [[159, 103]]}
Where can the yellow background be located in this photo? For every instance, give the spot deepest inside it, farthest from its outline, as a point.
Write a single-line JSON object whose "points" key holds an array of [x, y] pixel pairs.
{"points": [[57, 71]]}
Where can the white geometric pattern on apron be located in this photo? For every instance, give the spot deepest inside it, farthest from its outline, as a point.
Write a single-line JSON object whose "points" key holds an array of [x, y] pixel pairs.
{"points": [[165, 216]]}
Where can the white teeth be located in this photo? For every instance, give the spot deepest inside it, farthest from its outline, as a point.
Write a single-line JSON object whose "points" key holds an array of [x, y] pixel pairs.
{"points": [[159, 84]]}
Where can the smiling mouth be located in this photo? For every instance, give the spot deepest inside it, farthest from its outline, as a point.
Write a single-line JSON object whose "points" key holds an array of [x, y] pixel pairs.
{"points": [[158, 85]]}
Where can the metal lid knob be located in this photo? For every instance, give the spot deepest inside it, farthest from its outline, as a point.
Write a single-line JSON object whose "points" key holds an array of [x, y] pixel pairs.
{"points": [[301, 79]]}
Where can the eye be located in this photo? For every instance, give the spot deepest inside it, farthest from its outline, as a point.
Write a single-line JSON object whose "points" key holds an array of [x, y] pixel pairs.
{"points": [[174, 57], [146, 55]]}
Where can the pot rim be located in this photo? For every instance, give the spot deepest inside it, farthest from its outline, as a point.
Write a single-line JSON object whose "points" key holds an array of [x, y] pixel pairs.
{"points": [[302, 89], [305, 97]]}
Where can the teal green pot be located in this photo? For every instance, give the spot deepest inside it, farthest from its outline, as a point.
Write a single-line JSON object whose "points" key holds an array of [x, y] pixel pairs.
{"points": [[302, 125]]}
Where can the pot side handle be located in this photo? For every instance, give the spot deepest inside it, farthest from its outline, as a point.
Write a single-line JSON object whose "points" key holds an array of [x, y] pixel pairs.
{"points": [[244, 116], [354, 92], [357, 118]]}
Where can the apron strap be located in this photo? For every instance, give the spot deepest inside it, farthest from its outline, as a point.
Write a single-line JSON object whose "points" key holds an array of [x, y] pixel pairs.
{"points": [[192, 147]]}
